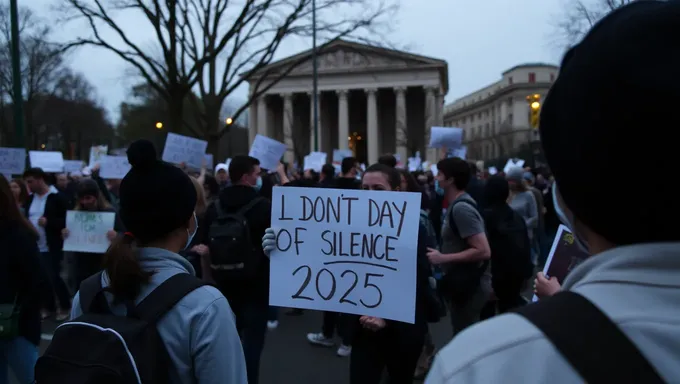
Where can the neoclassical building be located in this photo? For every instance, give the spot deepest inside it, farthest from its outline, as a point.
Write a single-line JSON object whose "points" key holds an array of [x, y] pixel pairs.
{"points": [[371, 100], [495, 119]]}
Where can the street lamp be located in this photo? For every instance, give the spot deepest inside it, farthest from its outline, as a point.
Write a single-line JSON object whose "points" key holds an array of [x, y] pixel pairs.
{"points": [[535, 109], [229, 121], [159, 125]]}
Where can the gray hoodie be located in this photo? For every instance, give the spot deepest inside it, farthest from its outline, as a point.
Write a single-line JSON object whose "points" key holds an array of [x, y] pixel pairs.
{"points": [[199, 332], [637, 286]]}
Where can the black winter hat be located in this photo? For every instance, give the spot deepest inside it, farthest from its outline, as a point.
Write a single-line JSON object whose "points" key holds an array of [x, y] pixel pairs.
{"points": [[608, 125], [155, 197]]}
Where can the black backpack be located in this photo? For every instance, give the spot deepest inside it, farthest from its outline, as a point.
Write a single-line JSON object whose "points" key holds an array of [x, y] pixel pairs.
{"points": [[510, 245], [233, 255], [99, 347]]}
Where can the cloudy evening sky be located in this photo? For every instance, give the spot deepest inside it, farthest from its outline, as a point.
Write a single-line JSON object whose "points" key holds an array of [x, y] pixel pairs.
{"points": [[478, 38]]}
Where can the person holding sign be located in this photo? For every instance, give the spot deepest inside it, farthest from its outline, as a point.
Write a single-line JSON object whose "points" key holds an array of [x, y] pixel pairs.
{"points": [[380, 344], [91, 199]]}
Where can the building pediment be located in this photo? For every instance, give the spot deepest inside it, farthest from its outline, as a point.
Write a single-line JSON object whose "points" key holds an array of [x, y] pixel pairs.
{"points": [[340, 55]]}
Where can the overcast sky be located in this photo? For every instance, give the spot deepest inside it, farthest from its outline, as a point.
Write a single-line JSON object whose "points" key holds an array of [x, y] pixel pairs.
{"points": [[478, 38]]}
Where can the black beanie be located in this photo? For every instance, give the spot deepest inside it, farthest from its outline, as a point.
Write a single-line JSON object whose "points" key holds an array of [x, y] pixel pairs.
{"points": [[608, 125], [156, 197], [87, 187]]}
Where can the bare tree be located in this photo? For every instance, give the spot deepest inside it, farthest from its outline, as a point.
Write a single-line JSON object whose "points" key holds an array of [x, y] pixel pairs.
{"points": [[41, 62], [580, 16], [211, 43]]}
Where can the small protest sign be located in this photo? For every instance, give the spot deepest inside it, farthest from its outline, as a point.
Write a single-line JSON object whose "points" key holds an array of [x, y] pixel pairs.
{"points": [[345, 251], [73, 165], [87, 231], [268, 151], [12, 161], [48, 161], [183, 149], [114, 167], [564, 256]]}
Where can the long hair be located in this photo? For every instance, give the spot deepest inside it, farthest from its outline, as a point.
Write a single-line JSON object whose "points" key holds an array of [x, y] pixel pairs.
{"points": [[23, 195], [9, 210], [201, 203], [102, 203]]}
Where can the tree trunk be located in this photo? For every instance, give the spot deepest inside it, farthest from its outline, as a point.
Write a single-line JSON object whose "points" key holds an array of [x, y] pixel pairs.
{"points": [[212, 130]]}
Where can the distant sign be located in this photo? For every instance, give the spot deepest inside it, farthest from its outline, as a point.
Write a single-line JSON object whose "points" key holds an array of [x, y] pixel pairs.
{"points": [[12, 161], [114, 167], [87, 231], [48, 161], [183, 149]]}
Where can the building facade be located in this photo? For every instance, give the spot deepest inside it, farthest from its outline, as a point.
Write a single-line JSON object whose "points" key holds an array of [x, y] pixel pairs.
{"points": [[496, 119], [371, 100]]}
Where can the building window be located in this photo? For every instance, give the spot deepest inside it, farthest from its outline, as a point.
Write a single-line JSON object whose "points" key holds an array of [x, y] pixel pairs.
{"points": [[552, 77], [532, 77], [510, 80]]}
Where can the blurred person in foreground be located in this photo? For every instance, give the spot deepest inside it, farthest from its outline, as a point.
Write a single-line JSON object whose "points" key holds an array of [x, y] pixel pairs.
{"points": [[615, 320]]}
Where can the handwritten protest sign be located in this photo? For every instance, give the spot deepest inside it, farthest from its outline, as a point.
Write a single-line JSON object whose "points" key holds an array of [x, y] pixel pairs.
{"points": [[114, 167], [96, 154], [564, 255], [268, 151], [48, 161], [448, 137], [87, 231], [73, 165], [12, 161], [345, 251], [183, 149]]}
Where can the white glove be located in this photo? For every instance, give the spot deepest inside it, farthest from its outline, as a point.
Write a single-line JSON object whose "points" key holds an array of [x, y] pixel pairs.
{"points": [[269, 241]]}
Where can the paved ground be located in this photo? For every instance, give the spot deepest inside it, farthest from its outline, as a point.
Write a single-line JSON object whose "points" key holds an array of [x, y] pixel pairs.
{"points": [[289, 358]]}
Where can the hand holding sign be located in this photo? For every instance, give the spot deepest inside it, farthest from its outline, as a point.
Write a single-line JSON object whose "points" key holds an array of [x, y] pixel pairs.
{"points": [[344, 251]]}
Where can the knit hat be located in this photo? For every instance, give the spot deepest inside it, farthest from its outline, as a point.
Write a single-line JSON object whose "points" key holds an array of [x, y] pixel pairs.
{"points": [[608, 124], [155, 197], [87, 187]]}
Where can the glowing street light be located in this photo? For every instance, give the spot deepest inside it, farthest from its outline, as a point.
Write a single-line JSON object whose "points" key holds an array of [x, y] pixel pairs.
{"points": [[159, 125], [229, 121]]}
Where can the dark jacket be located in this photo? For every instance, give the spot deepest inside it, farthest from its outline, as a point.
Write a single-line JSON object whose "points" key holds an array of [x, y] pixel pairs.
{"points": [[200, 238], [346, 183], [55, 213], [231, 199], [475, 188], [22, 277]]}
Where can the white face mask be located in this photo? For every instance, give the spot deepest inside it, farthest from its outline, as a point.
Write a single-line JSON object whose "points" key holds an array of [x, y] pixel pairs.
{"points": [[565, 220], [191, 235]]}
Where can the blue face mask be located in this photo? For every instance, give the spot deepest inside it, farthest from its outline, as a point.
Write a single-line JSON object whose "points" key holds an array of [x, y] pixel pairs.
{"points": [[258, 184], [191, 235], [565, 220], [439, 190]]}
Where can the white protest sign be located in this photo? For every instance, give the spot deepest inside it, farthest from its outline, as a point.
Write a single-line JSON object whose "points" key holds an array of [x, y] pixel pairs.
{"points": [[12, 161], [446, 137], [414, 163], [268, 151], [87, 231], [460, 152], [346, 251], [340, 154], [493, 170], [96, 153], [208, 161], [113, 167], [512, 164], [182, 149], [73, 165], [48, 161]]}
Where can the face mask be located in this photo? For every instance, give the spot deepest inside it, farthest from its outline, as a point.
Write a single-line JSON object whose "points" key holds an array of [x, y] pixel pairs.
{"points": [[191, 235], [565, 220], [258, 184], [439, 190]]}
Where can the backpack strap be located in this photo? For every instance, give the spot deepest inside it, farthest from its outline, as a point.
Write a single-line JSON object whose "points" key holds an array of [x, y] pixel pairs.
{"points": [[589, 340], [162, 299], [246, 208], [90, 298]]}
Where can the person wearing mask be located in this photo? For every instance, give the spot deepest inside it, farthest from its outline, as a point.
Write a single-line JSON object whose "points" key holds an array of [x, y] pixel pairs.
{"points": [[465, 251], [381, 344], [198, 332], [47, 212], [20, 194], [90, 198], [247, 288], [222, 175], [615, 318], [23, 287]]}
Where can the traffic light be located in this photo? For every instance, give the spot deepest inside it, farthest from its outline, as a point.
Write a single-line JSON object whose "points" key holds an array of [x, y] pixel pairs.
{"points": [[535, 109]]}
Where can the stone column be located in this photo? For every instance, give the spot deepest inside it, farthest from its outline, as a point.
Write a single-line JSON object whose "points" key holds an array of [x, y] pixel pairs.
{"points": [[372, 126], [289, 156], [401, 126], [252, 122], [430, 120], [343, 119], [311, 122], [439, 109], [262, 115]]}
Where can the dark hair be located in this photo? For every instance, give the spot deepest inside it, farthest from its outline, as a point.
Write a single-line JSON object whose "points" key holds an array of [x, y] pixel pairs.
{"points": [[9, 209], [413, 185], [126, 275], [328, 171], [241, 165], [473, 168], [496, 190], [36, 173], [456, 168], [388, 160], [211, 183], [347, 164], [23, 195], [393, 176]]}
